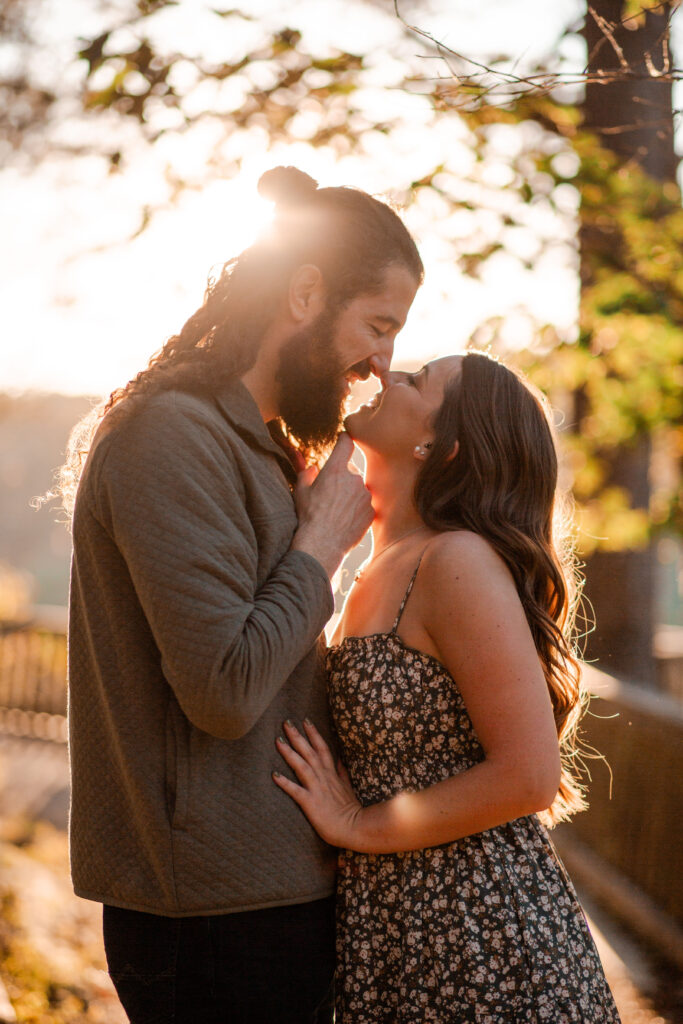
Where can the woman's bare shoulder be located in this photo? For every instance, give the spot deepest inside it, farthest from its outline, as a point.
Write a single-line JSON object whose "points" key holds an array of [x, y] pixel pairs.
{"points": [[460, 565], [461, 548], [468, 596]]}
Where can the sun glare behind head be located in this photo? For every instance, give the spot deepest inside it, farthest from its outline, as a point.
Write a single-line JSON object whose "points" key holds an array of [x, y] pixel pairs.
{"points": [[247, 217]]}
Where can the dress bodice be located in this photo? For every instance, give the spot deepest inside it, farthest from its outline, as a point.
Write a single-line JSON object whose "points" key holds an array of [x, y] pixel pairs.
{"points": [[401, 721]]}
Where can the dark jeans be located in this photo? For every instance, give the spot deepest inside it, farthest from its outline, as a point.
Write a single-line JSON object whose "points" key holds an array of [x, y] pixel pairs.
{"points": [[271, 966]]}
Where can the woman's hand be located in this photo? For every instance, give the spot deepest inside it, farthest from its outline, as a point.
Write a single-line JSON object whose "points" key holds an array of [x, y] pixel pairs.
{"points": [[324, 792]]}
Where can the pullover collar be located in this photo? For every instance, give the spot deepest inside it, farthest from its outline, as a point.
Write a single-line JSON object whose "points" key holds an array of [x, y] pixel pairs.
{"points": [[239, 408]]}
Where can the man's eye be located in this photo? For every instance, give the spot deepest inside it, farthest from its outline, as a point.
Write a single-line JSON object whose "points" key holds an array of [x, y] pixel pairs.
{"points": [[378, 330]]}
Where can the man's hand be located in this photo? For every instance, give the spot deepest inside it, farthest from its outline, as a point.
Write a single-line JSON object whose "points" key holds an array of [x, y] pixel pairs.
{"points": [[334, 508]]}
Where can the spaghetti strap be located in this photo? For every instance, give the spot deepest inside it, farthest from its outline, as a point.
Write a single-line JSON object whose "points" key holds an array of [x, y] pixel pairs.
{"points": [[407, 593]]}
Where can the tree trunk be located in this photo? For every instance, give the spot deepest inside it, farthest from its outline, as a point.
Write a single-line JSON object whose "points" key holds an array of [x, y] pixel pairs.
{"points": [[634, 119]]}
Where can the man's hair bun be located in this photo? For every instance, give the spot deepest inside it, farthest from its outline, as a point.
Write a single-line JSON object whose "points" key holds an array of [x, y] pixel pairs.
{"points": [[287, 186]]}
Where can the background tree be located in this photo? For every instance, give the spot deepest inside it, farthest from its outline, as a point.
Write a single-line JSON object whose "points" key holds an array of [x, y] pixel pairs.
{"points": [[632, 119]]}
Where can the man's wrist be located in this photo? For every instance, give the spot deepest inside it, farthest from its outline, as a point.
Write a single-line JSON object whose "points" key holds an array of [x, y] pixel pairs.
{"points": [[327, 554]]}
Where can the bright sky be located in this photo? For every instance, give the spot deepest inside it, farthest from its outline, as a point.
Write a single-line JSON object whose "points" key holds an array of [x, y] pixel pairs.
{"points": [[83, 310]]}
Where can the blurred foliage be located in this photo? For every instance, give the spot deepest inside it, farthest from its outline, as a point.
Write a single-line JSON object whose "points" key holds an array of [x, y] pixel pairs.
{"points": [[130, 70], [51, 956], [626, 367], [535, 183], [25, 99], [635, 10]]}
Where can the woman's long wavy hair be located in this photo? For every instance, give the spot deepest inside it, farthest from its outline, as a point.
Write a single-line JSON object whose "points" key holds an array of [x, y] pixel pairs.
{"points": [[502, 485], [348, 234]]}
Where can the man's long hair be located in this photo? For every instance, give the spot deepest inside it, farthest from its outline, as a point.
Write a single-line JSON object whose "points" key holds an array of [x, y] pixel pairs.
{"points": [[502, 485], [348, 234]]}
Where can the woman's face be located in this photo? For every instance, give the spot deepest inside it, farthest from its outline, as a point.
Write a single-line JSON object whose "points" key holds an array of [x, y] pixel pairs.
{"points": [[400, 417]]}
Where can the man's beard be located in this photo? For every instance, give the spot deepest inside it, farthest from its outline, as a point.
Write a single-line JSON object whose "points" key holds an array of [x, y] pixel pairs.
{"points": [[312, 385]]}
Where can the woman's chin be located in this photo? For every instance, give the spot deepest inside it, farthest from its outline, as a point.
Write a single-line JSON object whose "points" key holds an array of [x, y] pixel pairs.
{"points": [[352, 427]]}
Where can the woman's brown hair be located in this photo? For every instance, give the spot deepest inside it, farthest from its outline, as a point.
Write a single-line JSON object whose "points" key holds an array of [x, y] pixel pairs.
{"points": [[348, 234], [502, 485]]}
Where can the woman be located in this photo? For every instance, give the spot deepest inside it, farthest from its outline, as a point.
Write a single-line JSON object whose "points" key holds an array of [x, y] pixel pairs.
{"points": [[457, 722]]}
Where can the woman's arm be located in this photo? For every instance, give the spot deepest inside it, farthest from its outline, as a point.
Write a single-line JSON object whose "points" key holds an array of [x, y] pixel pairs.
{"points": [[469, 606]]}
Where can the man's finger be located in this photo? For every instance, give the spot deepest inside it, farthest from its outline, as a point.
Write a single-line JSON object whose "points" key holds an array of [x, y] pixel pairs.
{"points": [[342, 451], [307, 476]]}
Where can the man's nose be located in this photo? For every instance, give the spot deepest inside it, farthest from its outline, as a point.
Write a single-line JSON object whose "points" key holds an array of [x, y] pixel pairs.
{"points": [[380, 361]]}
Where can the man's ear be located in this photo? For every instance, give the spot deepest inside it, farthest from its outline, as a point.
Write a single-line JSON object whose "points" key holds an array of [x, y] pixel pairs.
{"points": [[307, 293]]}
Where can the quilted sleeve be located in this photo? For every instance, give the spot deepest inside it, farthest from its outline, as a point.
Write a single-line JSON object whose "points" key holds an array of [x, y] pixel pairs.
{"points": [[171, 497]]}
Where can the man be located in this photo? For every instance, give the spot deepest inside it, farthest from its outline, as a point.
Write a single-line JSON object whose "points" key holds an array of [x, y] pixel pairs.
{"points": [[200, 587]]}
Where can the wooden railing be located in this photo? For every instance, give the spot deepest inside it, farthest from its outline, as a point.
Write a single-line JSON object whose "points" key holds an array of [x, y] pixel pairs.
{"points": [[33, 676], [634, 819], [630, 840], [668, 650]]}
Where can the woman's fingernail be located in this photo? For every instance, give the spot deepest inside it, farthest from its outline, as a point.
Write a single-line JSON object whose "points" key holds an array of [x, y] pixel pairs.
{"points": [[307, 721], [290, 724], [277, 775], [281, 739]]}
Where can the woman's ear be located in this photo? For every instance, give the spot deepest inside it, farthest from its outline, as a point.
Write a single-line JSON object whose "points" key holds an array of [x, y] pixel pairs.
{"points": [[306, 295], [453, 452], [421, 451]]}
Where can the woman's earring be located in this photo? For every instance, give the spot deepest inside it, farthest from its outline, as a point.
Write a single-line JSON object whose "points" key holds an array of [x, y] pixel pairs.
{"points": [[420, 449]]}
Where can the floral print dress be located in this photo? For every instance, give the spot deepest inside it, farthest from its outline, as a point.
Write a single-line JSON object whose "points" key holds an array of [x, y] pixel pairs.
{"points": [[486, 929]]}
